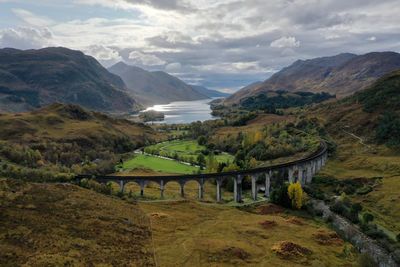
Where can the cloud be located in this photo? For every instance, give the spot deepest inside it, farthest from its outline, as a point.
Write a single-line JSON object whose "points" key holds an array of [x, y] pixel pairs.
{"points": [[173, 67], [224, 43], [32, 19], [25, 38], [285, 42], [106, 55], [131, 4], [140, 58]]}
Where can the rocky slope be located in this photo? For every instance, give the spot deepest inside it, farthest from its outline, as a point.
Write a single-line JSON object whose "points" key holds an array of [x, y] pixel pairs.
{"points": [[34, 78], [342, 75]]}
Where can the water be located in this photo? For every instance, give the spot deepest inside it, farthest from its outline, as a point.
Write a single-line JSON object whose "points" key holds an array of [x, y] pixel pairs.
{"points": [[184, 111]]}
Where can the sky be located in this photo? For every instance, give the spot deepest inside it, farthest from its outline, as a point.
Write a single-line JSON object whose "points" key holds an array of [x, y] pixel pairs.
{"points": [[220, 44]]}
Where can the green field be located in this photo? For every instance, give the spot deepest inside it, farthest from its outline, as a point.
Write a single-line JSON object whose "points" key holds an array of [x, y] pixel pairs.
{"points": [[158, 164], [186, 150]]}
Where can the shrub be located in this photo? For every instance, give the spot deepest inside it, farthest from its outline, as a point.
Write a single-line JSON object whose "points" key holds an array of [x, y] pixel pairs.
{"points": [[280, 196], [364, 190], [202, 140], [368, 217]]}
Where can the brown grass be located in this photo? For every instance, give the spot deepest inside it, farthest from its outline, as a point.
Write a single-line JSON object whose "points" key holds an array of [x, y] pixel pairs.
{"points": [[267, 209], [268, 224], [199, 234], [294, 220], [287, 250], [64, 225], [328, 238]]}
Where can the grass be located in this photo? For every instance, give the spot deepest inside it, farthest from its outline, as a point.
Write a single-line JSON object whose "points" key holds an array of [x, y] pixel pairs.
{"points": [[354, 160], [158, 164], [64, 225], [195, 234], [187, 149]]}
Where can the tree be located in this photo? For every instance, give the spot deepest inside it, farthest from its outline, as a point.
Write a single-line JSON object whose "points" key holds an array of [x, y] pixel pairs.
{"points": [[211, 164], [201, 160], [279, 196], [253, 163], [295, 193], [231, 167], [202, 140]]}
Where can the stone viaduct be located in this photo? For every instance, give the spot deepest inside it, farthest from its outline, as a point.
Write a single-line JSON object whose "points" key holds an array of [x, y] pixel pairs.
{"points": [[301, 170]]}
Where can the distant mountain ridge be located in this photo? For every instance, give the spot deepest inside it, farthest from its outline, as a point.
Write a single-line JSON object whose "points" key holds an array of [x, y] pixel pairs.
{"points": [[157, 87], [343, 75], [33, 78], [208, 92]]}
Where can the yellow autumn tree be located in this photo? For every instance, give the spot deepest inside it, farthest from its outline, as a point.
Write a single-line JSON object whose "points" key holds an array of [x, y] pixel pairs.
{"points": [[258, 136], [253, 163], [295, 192]]}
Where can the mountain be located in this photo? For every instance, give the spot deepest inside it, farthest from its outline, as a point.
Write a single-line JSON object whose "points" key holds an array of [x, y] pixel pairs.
{"points": [[343, 75], [155, 87], [35, 78], [373, 113], [208, 92]]}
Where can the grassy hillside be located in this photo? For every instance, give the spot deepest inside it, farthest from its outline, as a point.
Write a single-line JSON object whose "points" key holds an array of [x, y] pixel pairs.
{"points": [[157, 164], [224, 236], [65, 139], [366, 162], [64, 225], [373, 114]]}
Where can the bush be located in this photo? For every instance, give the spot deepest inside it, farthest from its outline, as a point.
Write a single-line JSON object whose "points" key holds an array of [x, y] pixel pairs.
{"points": [[364, 190], [202, 140], [338, 207], [388, 130], [373, 231], [368, 217], [280, 196]]}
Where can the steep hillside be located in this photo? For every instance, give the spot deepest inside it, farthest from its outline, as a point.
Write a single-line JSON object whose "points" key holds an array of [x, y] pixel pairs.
{"points": [[65, 139], [342, 75], [373, 113], [65, 225], [154, 87], [34, 78]]}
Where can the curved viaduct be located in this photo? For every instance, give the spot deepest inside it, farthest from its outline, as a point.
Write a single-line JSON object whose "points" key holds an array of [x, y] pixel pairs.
{"points": [[300, 170]]}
